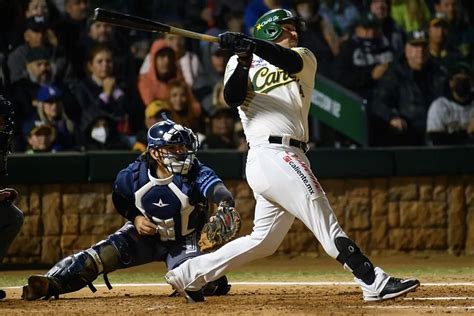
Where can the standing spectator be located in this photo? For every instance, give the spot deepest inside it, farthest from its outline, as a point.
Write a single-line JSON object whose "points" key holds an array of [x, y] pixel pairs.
{"points": [[319, 35], [460, 31], [37, 34], [364, 57], [404, 93], [341, 14], [100, 92], [441, 51], [390, 29], [40, 139], [50, 112], [451, 116], [410, 15], [182, 109]]}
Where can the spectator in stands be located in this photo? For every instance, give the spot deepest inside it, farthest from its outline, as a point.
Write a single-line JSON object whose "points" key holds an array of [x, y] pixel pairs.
{"points": [[451, 116], [182, 109], [50, 112], [410, 15], [37, 34], [158, 70], [100, 133], [71, 29], [40, 139], [341, 14], [441, 51], [221, 132], [404, 93], [214, 61], [390, 29], [24, 91], [153, 114], [100, 92], [460, 31], [364, 57], [319, 36]]}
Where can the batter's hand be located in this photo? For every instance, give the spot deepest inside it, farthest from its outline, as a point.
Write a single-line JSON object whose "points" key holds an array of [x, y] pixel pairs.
{"points": [[144, 226], [8, 195], [228, 40], [245, 49]]}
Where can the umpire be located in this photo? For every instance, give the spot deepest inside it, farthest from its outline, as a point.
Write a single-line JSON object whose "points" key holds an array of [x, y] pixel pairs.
{"points": [[11, 218]]}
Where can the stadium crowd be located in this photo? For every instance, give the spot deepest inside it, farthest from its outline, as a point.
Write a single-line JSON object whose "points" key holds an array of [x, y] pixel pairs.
{"points": [[79, 84]]}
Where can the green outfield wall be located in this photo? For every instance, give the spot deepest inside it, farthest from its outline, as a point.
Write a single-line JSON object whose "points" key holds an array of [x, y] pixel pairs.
{"points": [[389, 200]]}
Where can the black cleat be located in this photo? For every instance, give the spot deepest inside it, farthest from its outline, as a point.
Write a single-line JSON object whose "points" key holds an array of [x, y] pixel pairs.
{"points": [[37, 287], [2, 294]]}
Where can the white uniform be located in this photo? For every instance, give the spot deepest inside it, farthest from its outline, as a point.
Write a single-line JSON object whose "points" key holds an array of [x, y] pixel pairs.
{"points": [[279, 175]]}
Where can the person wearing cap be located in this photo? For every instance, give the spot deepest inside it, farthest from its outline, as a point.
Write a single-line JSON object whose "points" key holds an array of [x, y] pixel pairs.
{"points": [[37, 34], [41, 138], [451, 117], [460, 31], [364, 57], [390, 29], [404, 93], [50, 111], [153, 114], [441, 51]]}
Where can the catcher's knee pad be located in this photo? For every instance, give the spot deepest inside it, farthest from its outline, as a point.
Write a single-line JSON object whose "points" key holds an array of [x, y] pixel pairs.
{"points": [[81, 269], [354, 260], [216, 288]]}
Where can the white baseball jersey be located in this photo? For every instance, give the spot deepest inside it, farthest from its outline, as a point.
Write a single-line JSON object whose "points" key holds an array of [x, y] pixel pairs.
{"points": [[277, 103], [448, 116]]}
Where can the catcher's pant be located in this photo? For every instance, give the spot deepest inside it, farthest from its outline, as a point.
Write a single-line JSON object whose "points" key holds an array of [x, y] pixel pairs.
{"points": [[11, 220], [284, 188]]}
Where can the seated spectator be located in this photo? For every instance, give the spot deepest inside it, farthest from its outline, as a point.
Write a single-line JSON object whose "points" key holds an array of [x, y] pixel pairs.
{"points": [[451, 116], [50, 112], [214, 62], [221, 134], [100, 133], [158, 70], [441, 51], [319, 36], [153, 114], [460, 31], [403, 95], [38, 34], [364, 57], [100, 92], [390, 30], [341, 14], [410, 15], [181, 106], [40, 139]]}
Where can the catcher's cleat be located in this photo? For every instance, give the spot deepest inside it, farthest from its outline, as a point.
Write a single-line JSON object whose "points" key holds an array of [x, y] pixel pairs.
{"points": [[37, 287], [386, 287], [191, 296], [2, 294]]}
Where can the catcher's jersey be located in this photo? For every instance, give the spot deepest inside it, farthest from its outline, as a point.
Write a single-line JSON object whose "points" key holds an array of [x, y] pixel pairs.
{"points": [[177, 205], [277, 103]]}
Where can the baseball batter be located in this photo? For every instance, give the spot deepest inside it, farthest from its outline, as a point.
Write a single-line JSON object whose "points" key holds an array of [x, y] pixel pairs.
{"points": [[271, 80]]}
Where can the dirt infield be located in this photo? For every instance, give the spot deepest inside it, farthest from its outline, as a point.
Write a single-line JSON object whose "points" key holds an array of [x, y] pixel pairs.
{"points": [[452, 292]]}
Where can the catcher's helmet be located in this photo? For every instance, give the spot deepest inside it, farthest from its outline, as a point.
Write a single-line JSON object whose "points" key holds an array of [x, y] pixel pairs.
{"points": [[166, 133], [268, 26]]}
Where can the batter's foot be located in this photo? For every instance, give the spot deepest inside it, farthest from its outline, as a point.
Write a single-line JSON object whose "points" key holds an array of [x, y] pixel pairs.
{"points": [[191, 296], [37, 287], [386, 287]]}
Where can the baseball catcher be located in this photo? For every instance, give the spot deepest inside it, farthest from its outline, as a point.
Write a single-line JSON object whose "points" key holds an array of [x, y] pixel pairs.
{"points": [[164, 194]]}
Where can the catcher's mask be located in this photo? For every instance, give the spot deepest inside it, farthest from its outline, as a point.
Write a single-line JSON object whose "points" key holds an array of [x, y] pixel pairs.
{"points": [[176, 145], [6, 132], [268, 26]]}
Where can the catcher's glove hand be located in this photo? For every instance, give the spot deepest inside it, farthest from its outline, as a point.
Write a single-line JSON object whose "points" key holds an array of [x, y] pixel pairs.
{"points": [[221, 228]]}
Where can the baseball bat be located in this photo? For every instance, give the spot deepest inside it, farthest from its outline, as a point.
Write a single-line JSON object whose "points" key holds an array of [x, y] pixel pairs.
{"points": [[138, 23]]}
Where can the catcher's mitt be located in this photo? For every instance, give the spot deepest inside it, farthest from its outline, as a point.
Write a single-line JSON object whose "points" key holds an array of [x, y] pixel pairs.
{"points": [[221, 228]]}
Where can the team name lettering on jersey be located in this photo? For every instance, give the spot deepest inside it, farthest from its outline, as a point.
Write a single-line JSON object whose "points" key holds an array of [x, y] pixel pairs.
{"points": [[266, 80]]}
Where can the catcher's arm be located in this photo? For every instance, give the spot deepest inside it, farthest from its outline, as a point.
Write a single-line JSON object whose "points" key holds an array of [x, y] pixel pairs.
{"points": [[222, 226]]}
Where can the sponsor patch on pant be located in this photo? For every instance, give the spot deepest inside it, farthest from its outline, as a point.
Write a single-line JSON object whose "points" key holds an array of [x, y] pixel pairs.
{"points": [[304, 173]]}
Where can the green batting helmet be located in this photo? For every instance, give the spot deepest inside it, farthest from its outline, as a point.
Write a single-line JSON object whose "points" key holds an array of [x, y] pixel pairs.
{"points": [[268, 26]]}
